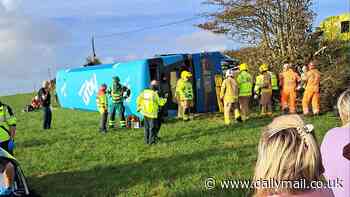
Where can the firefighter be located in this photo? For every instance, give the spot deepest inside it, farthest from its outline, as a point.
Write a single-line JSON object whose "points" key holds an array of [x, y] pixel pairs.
{"points": [[148, 103], [263, 87], [119, 93], [275, 88], [312, 90], [245, 84], [102, 106], [289, 80], [184, 91], [229, 94], [7, 128]]}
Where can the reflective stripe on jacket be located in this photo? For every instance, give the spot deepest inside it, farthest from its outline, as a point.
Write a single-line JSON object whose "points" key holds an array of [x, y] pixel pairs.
{"points": [[274, 81], [102, 103], [245, 83], [184, 90], [148, 103], [263, 83], [229, 90]]}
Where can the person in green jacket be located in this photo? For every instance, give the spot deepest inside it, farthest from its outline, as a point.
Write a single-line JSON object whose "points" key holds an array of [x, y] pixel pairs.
{"points": [[148, 103], [119, 93], [7, 128], [275, 89], [245, 84]]}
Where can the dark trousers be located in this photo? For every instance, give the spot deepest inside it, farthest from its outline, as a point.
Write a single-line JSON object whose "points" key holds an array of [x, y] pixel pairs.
{"points": [[117, 108], [151, 127], [47, 117], [103, 122]]}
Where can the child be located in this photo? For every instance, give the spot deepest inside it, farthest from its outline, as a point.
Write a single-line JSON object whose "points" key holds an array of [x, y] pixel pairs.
{"points": [[288, 151], [102, 106]]}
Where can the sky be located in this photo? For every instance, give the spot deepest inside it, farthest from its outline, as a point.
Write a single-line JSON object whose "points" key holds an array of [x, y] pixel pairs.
{"points": [[38, 37]]}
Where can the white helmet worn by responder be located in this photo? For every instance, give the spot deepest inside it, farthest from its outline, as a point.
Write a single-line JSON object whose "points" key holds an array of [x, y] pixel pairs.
{"points": [[229, 73]]}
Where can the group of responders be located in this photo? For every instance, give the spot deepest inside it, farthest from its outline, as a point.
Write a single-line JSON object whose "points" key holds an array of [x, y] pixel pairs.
{"points": [[212, 183]]}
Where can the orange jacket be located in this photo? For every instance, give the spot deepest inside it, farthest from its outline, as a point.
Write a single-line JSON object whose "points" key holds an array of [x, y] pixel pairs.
{"points": [[289, 80], [313, 78]]}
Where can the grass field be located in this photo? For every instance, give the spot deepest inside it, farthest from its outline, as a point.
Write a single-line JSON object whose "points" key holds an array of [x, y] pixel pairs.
{"points": [[73, 159]]}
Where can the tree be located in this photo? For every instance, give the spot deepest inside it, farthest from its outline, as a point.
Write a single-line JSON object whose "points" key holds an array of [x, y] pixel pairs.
{"points": [[279, 28], [92, 60]]}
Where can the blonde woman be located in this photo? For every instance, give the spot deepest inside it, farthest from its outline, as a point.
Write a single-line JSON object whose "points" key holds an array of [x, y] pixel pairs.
{"points": [[289, 154], [335, 149]]}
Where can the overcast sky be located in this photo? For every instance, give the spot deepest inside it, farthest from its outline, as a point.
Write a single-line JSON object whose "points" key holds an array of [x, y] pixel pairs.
{"points": [[39, 37]]}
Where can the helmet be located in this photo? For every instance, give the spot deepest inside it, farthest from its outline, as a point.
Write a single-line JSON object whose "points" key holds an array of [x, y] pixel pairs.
{"points": [[229, 73], [116, 78], [243, 66], [286, 66], [185, 75], [154, 83], [263, 68], [103, 87], [312, 65]]}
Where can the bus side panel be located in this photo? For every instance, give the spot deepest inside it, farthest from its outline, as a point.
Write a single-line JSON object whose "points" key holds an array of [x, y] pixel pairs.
{"points": [[196, 60], [78, 90]]}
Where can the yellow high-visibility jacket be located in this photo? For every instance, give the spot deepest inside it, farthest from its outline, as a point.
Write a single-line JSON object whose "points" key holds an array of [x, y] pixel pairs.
{"points": [[274, 81], [7, 119], [148, 103], [102, 103], [263, 83], [245, 82], [229, 90], [184, 90]]}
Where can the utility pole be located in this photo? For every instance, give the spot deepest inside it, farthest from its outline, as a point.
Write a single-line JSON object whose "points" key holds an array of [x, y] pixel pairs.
{"points": [[93, 47]]}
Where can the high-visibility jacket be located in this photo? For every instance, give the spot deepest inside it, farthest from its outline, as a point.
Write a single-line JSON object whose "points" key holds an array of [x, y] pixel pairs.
{"points": [[7, 119], [148, 103], [263, 83], [118, 93], [274, 81], [290, 80], [245, 83], [102, 102], [313, 78], [229, 90], [184, 90]]}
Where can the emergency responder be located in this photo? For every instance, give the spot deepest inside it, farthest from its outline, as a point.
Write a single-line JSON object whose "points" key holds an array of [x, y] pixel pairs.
{"points": [[102, 106], [229, 94], [289, 80], [45, 99], [148, 103], [245, 84], [184, 91], [119, 93], [263, 88], [178, 100], [312, 90], [275, 88], [7, 128]]}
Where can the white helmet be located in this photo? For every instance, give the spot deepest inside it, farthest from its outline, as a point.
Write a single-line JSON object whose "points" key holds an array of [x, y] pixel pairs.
{"points": [[229, 73]]}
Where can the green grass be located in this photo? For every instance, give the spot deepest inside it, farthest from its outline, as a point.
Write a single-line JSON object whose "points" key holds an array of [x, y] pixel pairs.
{"points": [[74, 159]]}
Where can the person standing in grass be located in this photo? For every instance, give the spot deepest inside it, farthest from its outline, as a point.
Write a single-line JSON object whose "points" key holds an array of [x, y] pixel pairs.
{"points": [[263, 88], [184, 91], [288, 151], [45, 99], [119, 93], [229, 94], [102, 106], [148, 103], [335, 149], [245, 83]]}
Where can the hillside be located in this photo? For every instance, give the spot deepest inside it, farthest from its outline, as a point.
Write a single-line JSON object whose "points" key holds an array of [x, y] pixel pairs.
{"points": [[73, 159]]}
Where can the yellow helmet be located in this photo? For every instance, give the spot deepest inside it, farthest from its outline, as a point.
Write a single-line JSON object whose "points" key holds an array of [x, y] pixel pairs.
{"points": [[263, 67], [185, 74], [243, 66]]}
